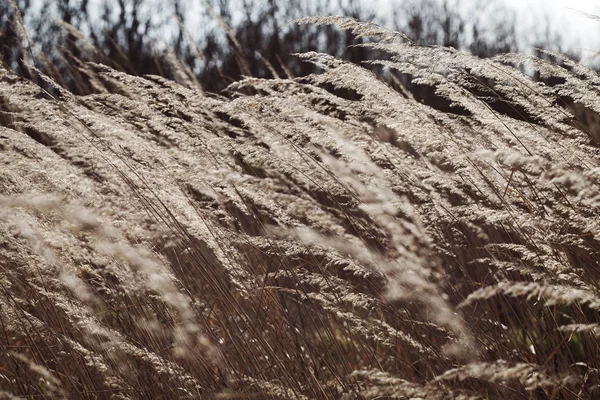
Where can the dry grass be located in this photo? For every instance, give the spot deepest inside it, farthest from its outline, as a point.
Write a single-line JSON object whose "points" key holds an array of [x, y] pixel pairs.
{"points": [[322, 237]]}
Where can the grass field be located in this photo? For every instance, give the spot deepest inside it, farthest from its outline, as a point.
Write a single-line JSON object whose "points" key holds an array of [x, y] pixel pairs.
{"points": [[334, 236]]}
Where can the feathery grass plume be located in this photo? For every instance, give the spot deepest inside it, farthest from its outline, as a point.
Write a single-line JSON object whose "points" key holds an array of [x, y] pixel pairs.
{"points": [[551, 294], [19, 27], [500, 372], [357, 28], [32, 55], [327, 236], [239, 51]]}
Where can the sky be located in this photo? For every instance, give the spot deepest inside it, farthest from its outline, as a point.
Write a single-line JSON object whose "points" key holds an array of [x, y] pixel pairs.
{"points": [[578, 31]]}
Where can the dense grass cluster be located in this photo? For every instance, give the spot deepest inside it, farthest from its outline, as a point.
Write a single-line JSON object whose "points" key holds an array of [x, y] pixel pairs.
{"points": [[321, 237]]}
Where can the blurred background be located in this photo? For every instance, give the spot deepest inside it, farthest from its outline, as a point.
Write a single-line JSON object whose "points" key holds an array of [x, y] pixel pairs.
{"points": [[214, 42]]}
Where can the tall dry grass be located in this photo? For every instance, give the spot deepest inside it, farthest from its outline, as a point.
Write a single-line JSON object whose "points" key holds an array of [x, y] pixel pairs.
{"points": [[320, 237]]}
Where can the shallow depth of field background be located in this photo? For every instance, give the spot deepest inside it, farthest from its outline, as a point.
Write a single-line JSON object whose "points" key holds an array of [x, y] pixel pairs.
{"points": [[209, 37]]}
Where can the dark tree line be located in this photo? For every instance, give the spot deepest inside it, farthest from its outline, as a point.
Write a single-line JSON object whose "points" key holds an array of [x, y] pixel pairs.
{"points": [[227, 39]]}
